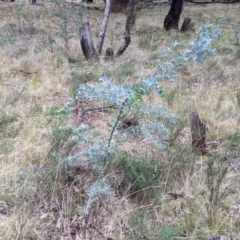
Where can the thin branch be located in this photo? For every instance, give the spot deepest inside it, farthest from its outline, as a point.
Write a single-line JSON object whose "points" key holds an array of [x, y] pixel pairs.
{"points": [[116, 122], [101, 109]]}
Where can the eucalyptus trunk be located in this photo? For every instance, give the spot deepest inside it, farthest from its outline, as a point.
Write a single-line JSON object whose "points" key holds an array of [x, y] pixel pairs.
{"points": [[172, 19]]}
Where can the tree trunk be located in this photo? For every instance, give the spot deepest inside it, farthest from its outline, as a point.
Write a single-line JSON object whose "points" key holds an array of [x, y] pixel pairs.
{"points": [[198, 131], [109, 54], [187, 25], [86, 40], [119, 5], [103, 27], [127, 38], [87, 43], [172, 19]]}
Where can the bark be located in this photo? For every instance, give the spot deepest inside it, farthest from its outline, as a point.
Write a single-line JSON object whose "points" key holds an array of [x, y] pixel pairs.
{"points": [[109, 54], [127, 38], [198, 131], [187, 25], [86, 40], [172, 19], [87, 43], [103, 27], [119, 5]]}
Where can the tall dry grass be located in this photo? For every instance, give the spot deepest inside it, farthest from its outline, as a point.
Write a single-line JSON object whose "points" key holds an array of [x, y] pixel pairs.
{"points": [[39, 204]]}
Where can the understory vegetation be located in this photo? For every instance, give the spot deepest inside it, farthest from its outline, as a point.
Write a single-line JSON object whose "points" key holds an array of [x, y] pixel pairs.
{"points": [[103, 150]]}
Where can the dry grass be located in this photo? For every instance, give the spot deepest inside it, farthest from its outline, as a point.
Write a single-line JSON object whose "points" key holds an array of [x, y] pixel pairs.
{"points": [[39, 204]]}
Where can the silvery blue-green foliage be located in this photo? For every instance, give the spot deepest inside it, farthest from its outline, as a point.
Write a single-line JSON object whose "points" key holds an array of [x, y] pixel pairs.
{"points": [[105, 89], [151, 83], [156, 129], [156, 132], [200, 47], [67, 138], [64, 110], [99, 188], [198, 50], [80, 143], [119, 94], [170, 59], [159, 113], [71, 144], [98, 154], [156, 120], [71, 134]]}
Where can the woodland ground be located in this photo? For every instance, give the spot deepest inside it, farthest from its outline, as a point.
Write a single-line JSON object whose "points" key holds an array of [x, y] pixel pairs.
{"points": [[36, 80]]}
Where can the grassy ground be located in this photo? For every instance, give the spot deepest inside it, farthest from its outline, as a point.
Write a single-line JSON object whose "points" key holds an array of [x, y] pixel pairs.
{"points": [[40, 200]]}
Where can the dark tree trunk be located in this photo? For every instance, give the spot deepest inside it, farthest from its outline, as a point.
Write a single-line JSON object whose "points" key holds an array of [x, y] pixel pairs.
{"points": [[87, 43], [34, 2], [172, 19], [198, 131], [128, 25], [187, 25]]}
